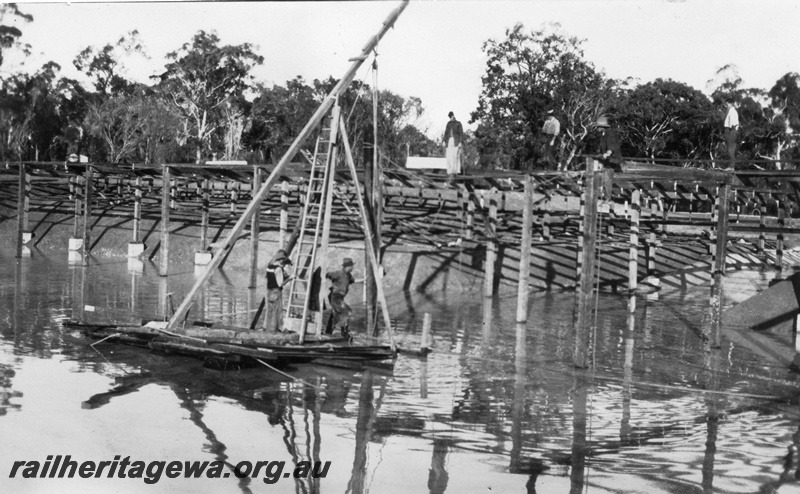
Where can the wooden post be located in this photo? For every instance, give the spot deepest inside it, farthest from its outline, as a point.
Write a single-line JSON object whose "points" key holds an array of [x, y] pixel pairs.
{"points": [[284, 214], [762, 225], [470, 216], [723, 199], [206, 201], [254, 232], [234, 195], [137, 209], [87, 210], [491, 244], [424, 345], [652, 245], [633, 252], [587, 278], [27, 201], [779, 237], [525, 252], [78, 207], [581, 230], [166, 185], [370, 189], [21, 212]]}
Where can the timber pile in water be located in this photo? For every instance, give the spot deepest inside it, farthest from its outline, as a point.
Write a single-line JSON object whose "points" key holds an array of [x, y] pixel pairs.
{"points": [[227, 345]]}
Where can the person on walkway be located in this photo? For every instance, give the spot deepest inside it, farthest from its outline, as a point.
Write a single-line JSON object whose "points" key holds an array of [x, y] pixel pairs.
{"points": [[277, 276], [453, 139], [731, 131], [551, 129], [340, 285], [610, 151]]}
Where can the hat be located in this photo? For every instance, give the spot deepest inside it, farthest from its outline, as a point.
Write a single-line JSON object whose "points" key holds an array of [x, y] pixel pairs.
{"points": [[281, 254], [347, 262], [450, 114], [602, 121], [550, 111], [72, 158]]}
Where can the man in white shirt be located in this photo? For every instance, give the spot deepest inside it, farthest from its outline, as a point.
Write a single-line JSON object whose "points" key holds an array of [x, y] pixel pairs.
{"points": [[551, 129], [731, 130]]}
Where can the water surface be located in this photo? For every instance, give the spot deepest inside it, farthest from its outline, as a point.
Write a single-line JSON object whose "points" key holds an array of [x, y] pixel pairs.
{"points": [[497, 407]]}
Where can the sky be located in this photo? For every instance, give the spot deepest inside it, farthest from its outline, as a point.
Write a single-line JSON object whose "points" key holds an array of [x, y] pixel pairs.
{"points": [[435, 50]]}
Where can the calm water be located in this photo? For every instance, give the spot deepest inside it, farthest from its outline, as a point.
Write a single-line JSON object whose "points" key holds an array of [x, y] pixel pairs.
{"points": [[497, 407]]}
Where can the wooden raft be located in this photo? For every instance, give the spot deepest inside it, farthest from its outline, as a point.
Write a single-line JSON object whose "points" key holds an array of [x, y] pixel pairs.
{"points": [[242, 346]]}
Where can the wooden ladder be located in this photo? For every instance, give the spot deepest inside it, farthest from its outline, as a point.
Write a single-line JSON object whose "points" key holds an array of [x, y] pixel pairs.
{"points": [[308, 255]]}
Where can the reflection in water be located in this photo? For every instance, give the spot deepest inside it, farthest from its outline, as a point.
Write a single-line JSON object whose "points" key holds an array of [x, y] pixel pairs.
{"points": [[364, 423], [630, 329], [437, 475], [662, 397], [215, 446], [579, 444]]}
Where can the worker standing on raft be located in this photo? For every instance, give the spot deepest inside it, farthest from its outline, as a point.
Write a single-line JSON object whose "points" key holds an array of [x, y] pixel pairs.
{"points": [[340, 285], [277, 277]]}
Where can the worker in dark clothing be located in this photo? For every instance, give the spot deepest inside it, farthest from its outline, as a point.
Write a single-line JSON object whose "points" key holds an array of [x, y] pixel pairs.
{"points": [[610, 151], [610, 144], [453, 140], [277, 277], [340, 285]]}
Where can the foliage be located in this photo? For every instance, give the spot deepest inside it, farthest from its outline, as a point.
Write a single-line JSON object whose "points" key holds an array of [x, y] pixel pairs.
{"points": [[279, 114], [9, 35], [661, 118], [528, 73], [204, 80], [104, 64]]}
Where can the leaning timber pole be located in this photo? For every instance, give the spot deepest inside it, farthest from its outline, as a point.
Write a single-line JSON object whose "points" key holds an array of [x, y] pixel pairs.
{"points": [[327, 103]]}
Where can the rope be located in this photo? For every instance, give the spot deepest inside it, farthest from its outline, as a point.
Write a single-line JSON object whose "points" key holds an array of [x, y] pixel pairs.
{"points": [[104, 339], [287, 375]]}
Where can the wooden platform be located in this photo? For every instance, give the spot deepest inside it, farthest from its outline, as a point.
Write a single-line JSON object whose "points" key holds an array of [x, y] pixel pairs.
{"points": [[244, 347]]}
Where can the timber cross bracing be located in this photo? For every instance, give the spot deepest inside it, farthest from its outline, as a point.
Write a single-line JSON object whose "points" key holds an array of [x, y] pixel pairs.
{"points": [[310, 127]]}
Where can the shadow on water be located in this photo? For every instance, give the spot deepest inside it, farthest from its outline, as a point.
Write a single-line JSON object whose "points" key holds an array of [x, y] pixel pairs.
{"points": [[668, 404]]}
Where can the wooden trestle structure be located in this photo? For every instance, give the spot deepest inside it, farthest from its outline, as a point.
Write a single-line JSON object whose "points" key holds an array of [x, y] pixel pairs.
{"points": [[664, 218], [557, 222]]}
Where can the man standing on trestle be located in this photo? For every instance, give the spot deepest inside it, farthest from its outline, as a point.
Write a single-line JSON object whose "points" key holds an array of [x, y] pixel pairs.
{"points": [[731, 125], [340, 285], [611, 154], [551, 129], [453, 139], [277, 277]]}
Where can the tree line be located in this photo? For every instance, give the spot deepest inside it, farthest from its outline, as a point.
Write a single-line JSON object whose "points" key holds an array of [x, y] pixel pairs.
{"points": [[531, 72], [206, 104]]}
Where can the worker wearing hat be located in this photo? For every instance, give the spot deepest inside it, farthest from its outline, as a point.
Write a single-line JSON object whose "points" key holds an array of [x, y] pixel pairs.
{"points": [[340, 285], [610, 151], [610, 144], [551, 129], [277, 276]]}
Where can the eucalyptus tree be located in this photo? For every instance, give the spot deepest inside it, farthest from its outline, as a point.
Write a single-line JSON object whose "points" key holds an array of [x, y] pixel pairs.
{"points": [[784, 117], [279, 113], [105, 65], [206, 82], [10, 35]]}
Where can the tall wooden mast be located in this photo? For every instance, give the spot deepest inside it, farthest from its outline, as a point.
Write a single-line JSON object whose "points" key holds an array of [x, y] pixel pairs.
{"points": [[219, 252]]}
